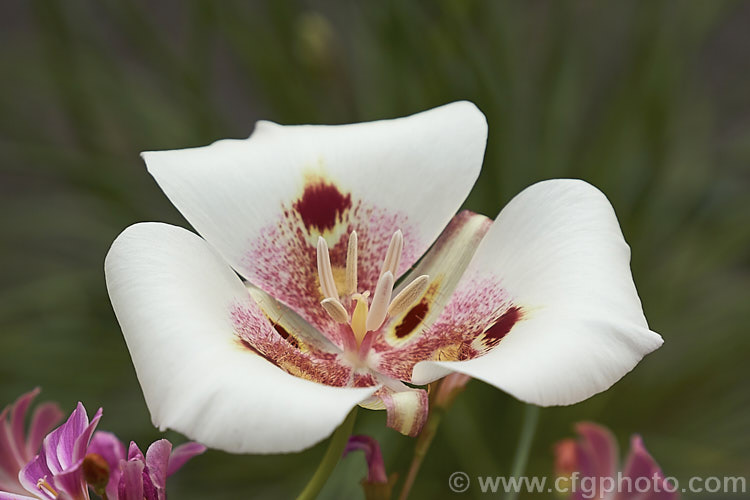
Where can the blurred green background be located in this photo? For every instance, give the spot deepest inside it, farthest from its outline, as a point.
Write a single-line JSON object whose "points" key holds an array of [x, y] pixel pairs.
{"points": [[649, 101]]}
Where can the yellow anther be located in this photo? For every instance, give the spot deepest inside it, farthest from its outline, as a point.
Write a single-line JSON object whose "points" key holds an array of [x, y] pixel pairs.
{"points": [[47, 488]]}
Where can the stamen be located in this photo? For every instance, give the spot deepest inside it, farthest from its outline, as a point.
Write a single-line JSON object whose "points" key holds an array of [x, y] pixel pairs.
{"points": [[46, 488], [393, 255], [351, 265], [359, 318], [379, 306], [409, 295], [325, 273], [335, 310]]}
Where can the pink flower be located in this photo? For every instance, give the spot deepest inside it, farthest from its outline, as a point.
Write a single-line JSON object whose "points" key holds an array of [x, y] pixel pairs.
{"points": [[134, 476], [17, 448], [591, 463], [333, 271], [56, 472]]}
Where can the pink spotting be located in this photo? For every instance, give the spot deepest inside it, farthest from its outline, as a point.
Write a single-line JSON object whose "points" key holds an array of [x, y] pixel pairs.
{"points": [[283, 349], [477, 317], [283, 257]]}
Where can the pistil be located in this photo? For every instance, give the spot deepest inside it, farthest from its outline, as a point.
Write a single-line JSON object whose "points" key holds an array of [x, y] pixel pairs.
{"points": [[359, 317]]}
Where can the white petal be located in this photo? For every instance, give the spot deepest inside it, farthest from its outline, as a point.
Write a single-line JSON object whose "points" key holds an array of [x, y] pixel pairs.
{"points": [[264, 201], [172, 295], [556, 252]]}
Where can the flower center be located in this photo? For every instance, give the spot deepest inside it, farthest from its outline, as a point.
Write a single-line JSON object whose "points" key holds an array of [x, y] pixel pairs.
{"points": [[365, 316]]}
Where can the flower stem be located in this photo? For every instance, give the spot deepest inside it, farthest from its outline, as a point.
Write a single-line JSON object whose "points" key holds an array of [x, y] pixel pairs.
{"points": [[332, 456], [530, 420], [420, 449]]}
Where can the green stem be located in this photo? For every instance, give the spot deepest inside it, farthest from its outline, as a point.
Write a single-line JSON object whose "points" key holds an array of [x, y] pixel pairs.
{"points": [[332, 456], [530, 420], [420, 449]]}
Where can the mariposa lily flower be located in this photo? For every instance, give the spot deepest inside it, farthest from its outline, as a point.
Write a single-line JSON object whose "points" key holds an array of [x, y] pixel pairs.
{"points": [[17, 448], [594, 457], [306, 295], [135, 476], [56, 472]]}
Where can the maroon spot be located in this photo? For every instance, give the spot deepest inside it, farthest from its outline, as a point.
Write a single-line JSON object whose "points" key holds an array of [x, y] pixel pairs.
{"points": [[503, 325], [285, 335], [322, 205], [412, 319]]}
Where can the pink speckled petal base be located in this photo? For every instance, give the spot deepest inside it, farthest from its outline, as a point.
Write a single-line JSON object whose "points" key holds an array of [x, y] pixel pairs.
{"points": [[264, 201]]}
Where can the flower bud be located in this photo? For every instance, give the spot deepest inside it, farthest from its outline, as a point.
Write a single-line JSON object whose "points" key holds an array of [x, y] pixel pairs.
{"points": [[448, 388]]}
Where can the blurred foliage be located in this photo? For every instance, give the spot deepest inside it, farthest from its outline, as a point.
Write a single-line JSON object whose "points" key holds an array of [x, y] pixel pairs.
{"points": [[647, 100]]}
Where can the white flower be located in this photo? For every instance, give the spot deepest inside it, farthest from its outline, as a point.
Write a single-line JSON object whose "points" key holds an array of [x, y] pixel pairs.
{"points": [[321, 222]]}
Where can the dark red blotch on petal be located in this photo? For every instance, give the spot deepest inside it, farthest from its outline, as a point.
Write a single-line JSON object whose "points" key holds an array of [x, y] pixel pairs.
{"points": [[322, 205], [502, 326], [412, 319]]}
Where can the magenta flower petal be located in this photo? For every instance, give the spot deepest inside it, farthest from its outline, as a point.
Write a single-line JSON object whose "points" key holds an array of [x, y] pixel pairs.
{"points": [[182, 454], [594, 455], [596, 451], [16, 450], [109, 447], [9, 459], [81, 443], [373, 456], [131, 482], [71, 481], [11, 496], [640, 464], [157, 462], [56, 471], [135, 453], [34, 471], [17, 418], [58, 447], [44, 419]]}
